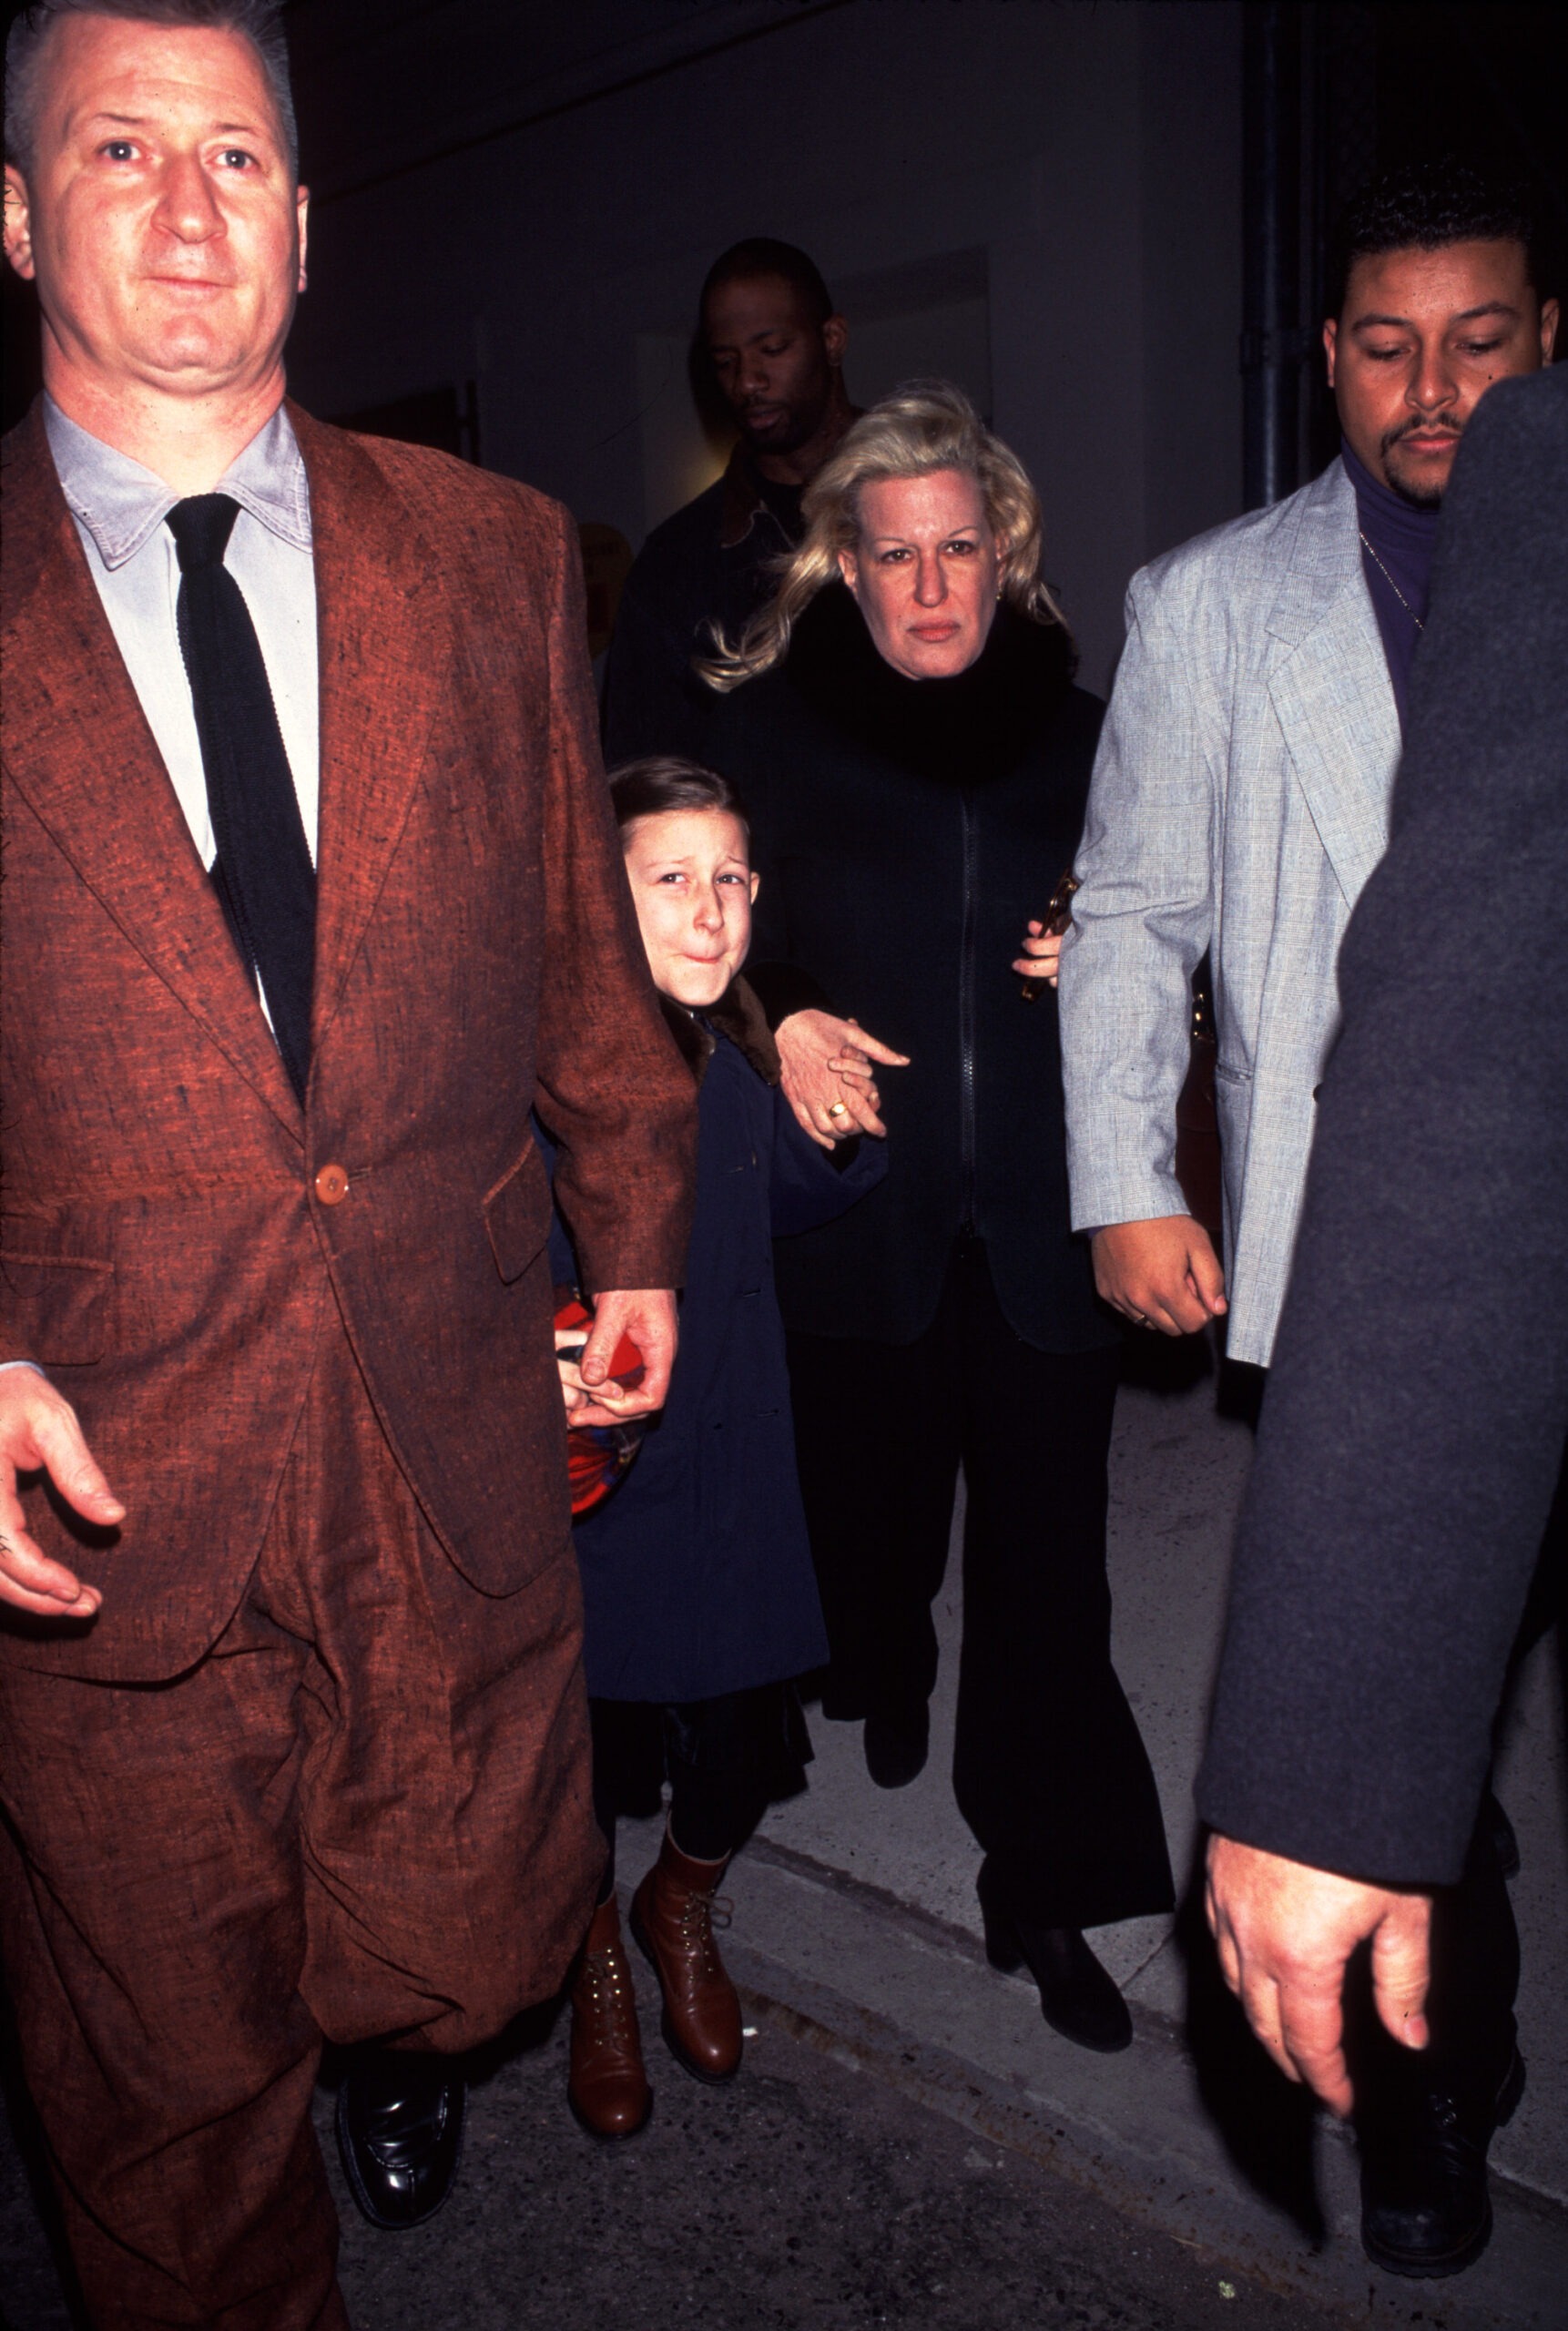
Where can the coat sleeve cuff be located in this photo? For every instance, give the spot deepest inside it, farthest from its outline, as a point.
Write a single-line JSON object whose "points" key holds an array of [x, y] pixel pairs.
{"points": [[607, 1271]]}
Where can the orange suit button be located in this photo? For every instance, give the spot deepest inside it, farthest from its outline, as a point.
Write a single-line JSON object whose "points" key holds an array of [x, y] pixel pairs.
{"points": [[332, 1186]]}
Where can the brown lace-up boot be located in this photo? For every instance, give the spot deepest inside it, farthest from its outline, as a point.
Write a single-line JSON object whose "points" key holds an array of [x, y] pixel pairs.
{"points": [[672, 1920], [606, 2086]]}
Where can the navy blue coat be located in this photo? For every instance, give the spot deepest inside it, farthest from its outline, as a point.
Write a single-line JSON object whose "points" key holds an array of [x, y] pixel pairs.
{"points": [[697, 1570]]}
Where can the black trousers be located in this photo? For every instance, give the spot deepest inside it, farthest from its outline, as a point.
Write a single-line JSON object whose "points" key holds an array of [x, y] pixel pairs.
{"points": [[1048, 1768]]}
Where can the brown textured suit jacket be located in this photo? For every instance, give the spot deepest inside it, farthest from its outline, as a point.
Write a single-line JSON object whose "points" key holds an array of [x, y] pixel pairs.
{"points": [[165, 1250]]}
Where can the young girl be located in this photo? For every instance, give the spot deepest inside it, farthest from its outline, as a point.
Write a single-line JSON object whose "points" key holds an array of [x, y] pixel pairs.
{"points": [[701, 1603]]}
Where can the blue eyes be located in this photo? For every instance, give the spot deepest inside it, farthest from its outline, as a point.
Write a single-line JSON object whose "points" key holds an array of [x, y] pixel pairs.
{"points": [[124, 150]]}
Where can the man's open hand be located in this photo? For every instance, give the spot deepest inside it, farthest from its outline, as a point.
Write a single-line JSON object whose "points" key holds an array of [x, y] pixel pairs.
{"points": [[648, 1316], [1163, 1274], [1285, 1934], [39, 1429]]}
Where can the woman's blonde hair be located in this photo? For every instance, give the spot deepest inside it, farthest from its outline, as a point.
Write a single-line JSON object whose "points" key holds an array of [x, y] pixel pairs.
{"points": [[924, 426]]}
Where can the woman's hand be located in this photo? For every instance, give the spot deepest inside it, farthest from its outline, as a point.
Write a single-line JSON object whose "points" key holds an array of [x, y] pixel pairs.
{"points": [[827, 1076], [1042, 954]]}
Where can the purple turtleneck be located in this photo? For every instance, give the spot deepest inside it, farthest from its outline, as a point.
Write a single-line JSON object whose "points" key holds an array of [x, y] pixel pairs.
{"points": [[1403, 534]]}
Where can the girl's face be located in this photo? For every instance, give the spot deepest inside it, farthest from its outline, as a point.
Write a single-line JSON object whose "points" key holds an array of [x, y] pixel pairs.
{"points": [[693, 886]]}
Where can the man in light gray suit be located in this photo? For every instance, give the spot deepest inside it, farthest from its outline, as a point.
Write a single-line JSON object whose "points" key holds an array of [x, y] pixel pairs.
{"points": [[1240, 803], [1241, 791]]}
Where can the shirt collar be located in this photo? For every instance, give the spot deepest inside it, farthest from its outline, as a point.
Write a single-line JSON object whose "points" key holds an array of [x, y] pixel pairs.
{"points": [[122, 505]]}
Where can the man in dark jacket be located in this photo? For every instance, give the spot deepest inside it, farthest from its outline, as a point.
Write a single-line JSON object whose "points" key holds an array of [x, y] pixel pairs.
{"points": [[774, 346], [1415, 1425]]}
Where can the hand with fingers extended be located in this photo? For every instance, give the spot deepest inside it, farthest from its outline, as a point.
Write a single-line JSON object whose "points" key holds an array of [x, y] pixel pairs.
{"points": [[1161, 1274], [648, 1314], [828, 1078], [1041, 954], [1285, 1934], [39, 1432]]}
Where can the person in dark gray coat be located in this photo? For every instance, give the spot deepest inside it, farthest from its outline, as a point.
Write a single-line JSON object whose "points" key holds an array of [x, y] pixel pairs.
{"points": [[1415, 1430]]}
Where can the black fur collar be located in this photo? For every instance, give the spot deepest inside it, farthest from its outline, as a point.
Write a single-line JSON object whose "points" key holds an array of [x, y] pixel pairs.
{"points": [[978, 724]]}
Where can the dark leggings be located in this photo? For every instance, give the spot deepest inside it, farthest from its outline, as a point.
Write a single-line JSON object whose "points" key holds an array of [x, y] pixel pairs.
{"points": [[715, 1754]]}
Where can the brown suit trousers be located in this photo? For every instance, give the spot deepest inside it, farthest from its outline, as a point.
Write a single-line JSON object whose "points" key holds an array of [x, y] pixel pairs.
{"points": [[328, 1827]]}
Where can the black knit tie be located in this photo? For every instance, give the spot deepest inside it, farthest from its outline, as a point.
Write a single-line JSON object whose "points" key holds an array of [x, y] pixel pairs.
{"points": [[263, 872]]}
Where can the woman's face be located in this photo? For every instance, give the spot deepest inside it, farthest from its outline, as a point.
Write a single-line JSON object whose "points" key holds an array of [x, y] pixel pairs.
{"points": [[693, 886], [924, 571]]}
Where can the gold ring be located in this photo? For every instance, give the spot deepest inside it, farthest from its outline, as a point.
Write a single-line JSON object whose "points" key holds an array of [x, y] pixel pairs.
{"points": [[837, 1109]]}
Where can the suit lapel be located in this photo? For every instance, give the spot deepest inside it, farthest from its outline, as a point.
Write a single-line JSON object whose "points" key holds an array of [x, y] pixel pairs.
{"points": [[1329, 683], [79, 750], [384, 642]]}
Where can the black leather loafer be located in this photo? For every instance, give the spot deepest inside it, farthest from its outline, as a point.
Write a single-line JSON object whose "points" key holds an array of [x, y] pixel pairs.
{"points": [[1425, 2208], [400, 2134], [897, 1747], [1077, 1997]]}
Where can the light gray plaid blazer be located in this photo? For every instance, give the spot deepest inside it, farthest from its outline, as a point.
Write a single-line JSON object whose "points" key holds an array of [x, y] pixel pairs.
{"points": [[1240, 802]]}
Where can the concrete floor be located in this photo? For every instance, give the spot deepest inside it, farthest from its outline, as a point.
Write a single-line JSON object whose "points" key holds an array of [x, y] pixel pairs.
{"points": [[806, 2197]]}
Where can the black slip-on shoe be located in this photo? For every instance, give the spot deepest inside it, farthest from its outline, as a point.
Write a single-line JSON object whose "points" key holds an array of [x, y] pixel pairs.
{"points": [[400, 2134]]}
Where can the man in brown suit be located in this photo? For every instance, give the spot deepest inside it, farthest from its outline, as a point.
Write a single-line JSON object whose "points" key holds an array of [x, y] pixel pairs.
{"points": [[293, 1734]]}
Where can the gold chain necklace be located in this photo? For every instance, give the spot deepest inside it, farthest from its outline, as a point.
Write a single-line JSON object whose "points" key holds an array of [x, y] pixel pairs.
{"points": [[1388, 579]]}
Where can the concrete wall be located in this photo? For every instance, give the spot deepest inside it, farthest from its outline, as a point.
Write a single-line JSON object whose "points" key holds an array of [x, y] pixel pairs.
{"points": [[1045, 196]]}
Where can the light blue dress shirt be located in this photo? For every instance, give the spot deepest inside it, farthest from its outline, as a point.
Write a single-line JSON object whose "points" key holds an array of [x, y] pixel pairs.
{"points": [[119, 508]]}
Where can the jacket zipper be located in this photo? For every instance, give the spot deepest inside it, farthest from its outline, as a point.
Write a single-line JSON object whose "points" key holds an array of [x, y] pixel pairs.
{"points": [[966, 1019]]}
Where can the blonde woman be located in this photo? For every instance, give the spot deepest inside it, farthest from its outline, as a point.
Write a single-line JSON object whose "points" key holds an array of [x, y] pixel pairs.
{"points": [[902, 719]]}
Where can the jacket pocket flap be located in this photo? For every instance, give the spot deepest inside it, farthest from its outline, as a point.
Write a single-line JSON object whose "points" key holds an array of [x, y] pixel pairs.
{"points": [[56, 1306], [517, 1214]]}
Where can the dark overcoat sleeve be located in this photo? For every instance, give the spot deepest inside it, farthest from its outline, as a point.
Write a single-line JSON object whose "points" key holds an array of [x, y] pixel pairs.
{"points": [[1416, 1415]]}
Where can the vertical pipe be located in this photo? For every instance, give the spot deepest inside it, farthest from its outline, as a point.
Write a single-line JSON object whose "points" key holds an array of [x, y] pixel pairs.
{"points": [[1272, 337]]}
